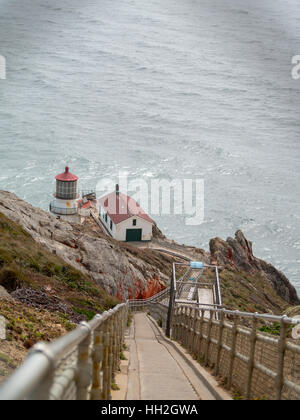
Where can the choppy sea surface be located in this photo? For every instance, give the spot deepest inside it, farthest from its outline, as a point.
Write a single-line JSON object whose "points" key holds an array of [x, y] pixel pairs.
{"points": [[169, 89]]}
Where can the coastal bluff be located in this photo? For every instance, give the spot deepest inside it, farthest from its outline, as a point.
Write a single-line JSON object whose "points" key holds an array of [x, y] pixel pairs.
{"points": [[125, 271]]}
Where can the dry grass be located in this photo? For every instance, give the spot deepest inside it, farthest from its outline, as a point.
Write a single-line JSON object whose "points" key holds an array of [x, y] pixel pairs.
{"points": [[24, 263]]}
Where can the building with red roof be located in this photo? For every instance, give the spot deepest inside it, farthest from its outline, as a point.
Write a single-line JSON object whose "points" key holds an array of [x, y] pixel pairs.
{"points": [[123, 217]]}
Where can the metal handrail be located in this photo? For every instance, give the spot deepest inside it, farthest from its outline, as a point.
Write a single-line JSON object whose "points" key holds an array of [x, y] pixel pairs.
{"points": [[219, 294], [95, 348], [225, 345], [142, 302], [35, 378]]}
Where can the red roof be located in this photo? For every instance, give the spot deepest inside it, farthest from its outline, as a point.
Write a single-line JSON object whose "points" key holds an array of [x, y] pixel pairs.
{"points": [[66, 176], [83, 205], [121, 207]]}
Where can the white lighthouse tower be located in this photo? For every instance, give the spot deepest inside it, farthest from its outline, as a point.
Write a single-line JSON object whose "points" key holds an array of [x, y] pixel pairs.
{"points": [[65, 204]]}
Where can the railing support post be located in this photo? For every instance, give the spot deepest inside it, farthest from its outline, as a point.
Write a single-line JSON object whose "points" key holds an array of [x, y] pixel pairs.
{"points": [[171, 307], [84, 367], [281, 354], [110, 357], [106, 378], [232, 353], [200, 334], [211, 314], [194, 333], [219, 345], [43, 391], [97, 357], [253, 339]]}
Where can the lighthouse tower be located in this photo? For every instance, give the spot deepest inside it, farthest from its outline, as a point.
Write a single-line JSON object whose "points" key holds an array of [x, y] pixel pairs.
{"points": [[65, 204]]}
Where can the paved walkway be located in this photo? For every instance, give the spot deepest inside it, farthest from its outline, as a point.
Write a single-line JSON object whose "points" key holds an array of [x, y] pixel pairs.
{"points": [[156, 370]]}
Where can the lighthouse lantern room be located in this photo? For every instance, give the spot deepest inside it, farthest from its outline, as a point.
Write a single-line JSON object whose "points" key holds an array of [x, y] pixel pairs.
{"points": [[65, 204]]}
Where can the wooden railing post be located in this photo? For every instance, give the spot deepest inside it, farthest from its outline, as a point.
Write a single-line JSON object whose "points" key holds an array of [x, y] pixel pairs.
{"points": [[43, 393], [189, 332], [186, 331], [84, 377], [194, 333], [175, 326], [211, 314], [110, 356], [97, 392], [200, 334], [179, 320], [253, 339], [281, 354], [232, 353], [219, 345], [106, 378], [171, 306]]}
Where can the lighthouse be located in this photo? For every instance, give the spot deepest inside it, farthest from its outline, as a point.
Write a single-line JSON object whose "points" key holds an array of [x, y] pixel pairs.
{"points": [[65, 204]]}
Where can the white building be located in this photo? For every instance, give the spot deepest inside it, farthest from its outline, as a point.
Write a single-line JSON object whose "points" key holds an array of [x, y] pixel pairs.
{"points": [[65, 203], [123, 218]]}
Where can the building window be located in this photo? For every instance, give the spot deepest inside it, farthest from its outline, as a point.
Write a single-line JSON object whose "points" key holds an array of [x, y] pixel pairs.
{"points": [[134, 222], [106, 217], [111, 225]]}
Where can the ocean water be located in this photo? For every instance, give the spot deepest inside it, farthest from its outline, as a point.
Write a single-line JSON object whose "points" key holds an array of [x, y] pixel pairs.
{"points": [[160, 89]]}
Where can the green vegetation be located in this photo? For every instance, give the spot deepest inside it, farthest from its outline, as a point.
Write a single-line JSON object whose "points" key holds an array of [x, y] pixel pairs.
{"points": [[114, 386], [4, 358], [24, 263], [28, 325], [247, 292], [129, 320], [273, 329]]}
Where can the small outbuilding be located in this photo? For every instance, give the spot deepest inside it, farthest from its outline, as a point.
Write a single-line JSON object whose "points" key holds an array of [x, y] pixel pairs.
{"points": [[123, 218]]}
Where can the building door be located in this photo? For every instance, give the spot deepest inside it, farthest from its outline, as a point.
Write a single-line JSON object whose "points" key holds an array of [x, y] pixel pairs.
{"points": [[133, 235]]}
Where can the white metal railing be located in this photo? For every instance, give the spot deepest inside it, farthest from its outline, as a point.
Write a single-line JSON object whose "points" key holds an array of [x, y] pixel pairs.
{"points": [[140, 304], [62, 211], [78, 366]]}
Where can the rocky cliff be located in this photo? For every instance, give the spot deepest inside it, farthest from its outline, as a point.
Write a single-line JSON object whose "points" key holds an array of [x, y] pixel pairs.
{"points": [[54, 274], [121, 270], [253, 280], [124, 271]]}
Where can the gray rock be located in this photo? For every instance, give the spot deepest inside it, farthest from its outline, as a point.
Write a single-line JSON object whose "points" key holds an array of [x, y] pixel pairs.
{"points": [[4, 294], [237, 254], [121, 274]]}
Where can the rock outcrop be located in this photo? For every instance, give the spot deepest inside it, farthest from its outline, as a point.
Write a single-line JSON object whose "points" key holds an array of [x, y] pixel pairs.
{"points": [[4, 294], [125, 271], [293, 311], [237, 255], [40, 300], [118, 271]]}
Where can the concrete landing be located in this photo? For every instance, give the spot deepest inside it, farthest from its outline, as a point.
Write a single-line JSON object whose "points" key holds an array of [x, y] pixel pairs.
{"points": [[205, 296], [157, 371]]}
